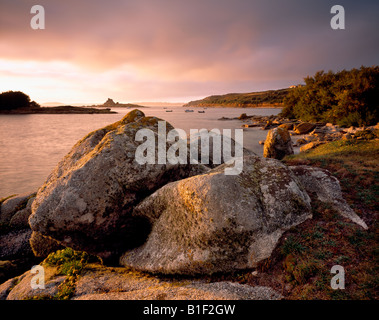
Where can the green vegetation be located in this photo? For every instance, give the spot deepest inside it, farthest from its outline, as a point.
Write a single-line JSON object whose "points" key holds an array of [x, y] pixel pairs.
{"points": [[11, 100], [347, 98], [70, 263], [271, 98], [330, 239]]}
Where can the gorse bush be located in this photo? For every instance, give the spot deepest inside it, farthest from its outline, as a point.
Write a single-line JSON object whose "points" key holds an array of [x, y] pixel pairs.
{"points": [[347, 98]]}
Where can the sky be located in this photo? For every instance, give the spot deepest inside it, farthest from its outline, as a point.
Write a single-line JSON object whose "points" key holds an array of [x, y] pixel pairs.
{"points": [[177, 50]]}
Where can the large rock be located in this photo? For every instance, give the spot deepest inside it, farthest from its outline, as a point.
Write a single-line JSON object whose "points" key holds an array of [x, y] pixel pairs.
{"points": [[219, 223], [278, 144], [87, 200], [326, 189]]}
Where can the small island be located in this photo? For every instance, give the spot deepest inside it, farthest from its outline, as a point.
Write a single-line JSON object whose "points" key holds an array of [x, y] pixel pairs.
{"points": [[111, 104], [16, 102]]}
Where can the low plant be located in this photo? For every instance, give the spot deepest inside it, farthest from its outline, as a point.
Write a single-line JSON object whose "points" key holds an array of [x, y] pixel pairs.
{"points": [[69, 263]]}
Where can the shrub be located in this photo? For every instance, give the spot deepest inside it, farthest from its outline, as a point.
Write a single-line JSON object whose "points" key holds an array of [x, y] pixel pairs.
{"points": [[347, 98]]}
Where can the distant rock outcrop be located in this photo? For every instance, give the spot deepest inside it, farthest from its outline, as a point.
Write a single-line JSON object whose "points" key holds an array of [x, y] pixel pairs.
{"points": [[109, 103]]}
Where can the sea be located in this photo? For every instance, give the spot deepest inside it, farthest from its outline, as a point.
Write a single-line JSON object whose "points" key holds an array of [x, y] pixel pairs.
{"points": [[32, 145]]}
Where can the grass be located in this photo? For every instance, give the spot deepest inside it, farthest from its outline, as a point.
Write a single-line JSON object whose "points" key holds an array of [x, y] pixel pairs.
{"points": [[355, 163], [329, 238]]}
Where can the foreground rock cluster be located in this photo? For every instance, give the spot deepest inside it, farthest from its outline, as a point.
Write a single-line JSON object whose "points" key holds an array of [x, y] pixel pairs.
{"points": [[86, 202], [177, 219]]}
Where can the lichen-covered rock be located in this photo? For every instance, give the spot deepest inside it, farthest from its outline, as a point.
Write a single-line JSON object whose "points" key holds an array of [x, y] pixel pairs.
{"points": [[219, 223], [327, 189], [20, 287], [278, 144], [6, 287], [106, 284], [87, 200]]}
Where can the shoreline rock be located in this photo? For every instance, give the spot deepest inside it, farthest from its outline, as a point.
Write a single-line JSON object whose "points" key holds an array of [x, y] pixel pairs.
{"points": [[311, 131], [278, 144], [86, 202], [216, 223]]}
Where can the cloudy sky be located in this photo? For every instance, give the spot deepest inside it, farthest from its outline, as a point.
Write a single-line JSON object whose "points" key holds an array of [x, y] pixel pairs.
{"points": [[177, 50]]}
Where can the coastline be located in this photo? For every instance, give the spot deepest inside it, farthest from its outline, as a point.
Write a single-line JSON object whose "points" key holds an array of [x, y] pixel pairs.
{"points": [[268, 106]]}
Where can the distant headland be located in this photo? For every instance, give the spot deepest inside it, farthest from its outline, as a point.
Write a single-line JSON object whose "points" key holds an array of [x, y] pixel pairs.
{"points": [[263, 99]]}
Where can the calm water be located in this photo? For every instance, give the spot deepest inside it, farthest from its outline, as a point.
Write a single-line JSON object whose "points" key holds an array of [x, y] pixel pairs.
{"points": [[32, 145]]}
